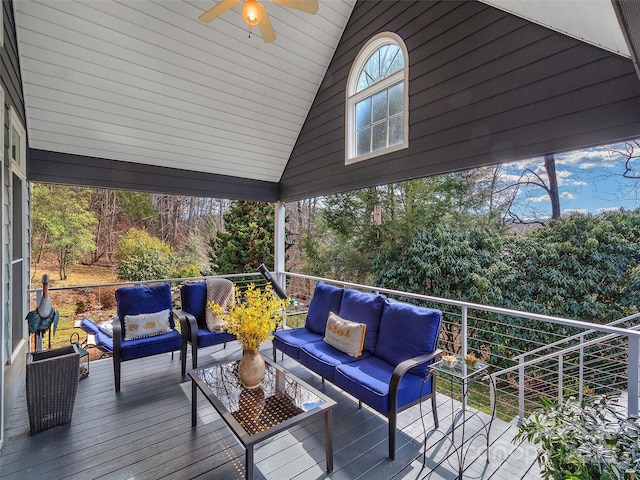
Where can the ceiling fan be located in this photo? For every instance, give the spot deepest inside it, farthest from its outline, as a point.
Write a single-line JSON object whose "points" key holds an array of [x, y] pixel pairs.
{"points": [[254, 13]]}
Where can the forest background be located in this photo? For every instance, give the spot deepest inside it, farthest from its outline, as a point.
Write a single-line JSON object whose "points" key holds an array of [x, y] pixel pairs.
{"points": [[478, 236]]}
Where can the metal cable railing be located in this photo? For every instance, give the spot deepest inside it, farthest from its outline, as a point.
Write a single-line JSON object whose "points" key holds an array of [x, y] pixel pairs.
{"points": [[589, 359], [594, 359]]}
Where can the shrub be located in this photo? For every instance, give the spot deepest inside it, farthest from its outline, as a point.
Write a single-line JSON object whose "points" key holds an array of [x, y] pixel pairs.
{"points": [[187, 271], [143, 257], [584, 440], [149, 265]]}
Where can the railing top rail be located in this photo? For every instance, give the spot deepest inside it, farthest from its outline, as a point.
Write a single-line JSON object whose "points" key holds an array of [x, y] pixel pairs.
{"points": [[577, 336], [142, 282], [475, 306], [558, 353]]}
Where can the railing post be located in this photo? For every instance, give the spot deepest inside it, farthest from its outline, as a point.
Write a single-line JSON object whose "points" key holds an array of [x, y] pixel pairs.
{"points": [[581, 370], [560, 377], [463, 341], [634, 365], [521, 391], [279, 245]]}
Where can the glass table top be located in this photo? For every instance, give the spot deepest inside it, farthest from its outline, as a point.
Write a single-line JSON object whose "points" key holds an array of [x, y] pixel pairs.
{"points": [[280, 397], [460, 370]]}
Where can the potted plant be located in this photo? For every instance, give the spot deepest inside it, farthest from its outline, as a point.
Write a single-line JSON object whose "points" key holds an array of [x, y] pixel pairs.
{"points": [[252, 317], [583, 440]]}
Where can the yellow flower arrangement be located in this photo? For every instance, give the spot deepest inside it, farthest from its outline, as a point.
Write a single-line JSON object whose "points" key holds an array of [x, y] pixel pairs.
{"points": [[253, 316]]}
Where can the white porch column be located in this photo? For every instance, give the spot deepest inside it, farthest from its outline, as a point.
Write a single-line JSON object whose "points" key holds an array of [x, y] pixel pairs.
{"points": [[278, 246]]}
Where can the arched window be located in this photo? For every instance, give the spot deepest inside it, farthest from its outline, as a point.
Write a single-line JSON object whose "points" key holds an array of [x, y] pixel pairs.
{"points": [[377, 119]]}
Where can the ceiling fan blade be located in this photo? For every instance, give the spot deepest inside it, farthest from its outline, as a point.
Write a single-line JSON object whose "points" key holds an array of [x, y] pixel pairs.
{"points": [[218, 10], [268, 35], [308, 6]]}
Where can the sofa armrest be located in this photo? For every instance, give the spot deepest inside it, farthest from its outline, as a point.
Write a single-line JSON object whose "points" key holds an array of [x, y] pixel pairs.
{"points": [[117, 336], [188, 325], [401, 369]]}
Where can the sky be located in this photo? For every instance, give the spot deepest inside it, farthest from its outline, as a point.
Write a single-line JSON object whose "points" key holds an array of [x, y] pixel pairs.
{"points": [[589, 180]]}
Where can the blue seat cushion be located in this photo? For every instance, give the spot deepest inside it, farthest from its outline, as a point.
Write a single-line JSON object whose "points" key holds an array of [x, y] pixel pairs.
{"points": [[193, 300], [368, 380], [207, 338], [290, 341], [407, 331], [323, 359], [146, 346], [325, 299], [103, 341], [145, 299], [363, 308]]}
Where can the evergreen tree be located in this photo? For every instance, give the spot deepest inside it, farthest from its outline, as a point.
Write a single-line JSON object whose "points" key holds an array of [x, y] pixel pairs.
{"points": [[247, 239]]}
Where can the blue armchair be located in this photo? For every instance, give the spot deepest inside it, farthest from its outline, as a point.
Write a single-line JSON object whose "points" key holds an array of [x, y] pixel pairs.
{"points": [[144, 325], [192, 316]]}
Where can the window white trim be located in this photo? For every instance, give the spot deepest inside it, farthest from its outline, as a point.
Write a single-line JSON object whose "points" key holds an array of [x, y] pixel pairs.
{"points": [[17, 166], [17, 143], [4, 320], [353, 97]]}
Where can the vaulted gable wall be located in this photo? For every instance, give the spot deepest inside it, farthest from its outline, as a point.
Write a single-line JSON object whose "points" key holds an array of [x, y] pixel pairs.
{"points": [[485, 87]]}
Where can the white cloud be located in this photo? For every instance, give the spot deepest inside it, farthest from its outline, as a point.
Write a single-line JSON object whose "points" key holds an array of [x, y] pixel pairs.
{"points": [[541, 198], [569, 211], [607, 209], [567, 196]]}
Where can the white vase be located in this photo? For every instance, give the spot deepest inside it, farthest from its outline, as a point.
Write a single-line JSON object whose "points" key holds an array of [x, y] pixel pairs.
{"points": [[251, 368]]}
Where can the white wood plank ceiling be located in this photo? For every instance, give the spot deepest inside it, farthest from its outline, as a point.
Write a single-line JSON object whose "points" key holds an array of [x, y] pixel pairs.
{"points": [[144, 81]]}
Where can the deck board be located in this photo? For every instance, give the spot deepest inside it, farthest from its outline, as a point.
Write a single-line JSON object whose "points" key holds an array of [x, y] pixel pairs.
{"points": [[144, 432]]}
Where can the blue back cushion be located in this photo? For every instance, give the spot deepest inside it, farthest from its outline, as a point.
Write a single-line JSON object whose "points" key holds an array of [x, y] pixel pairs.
{"points": [[147, 299], [193, 300], [326, 298], [363, 308], [407, 331]]}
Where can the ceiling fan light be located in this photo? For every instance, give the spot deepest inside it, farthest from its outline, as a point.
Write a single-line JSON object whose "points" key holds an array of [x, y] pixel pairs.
{"points": [[251, 12]]}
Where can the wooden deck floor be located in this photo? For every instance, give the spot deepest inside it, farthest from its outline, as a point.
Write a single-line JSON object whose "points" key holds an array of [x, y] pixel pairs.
{"points": [[144, 432]]}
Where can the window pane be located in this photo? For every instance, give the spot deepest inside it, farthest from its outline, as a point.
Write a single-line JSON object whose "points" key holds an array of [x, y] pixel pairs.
{"points": [[396, 99], [397, 63], [371, 72], [363, 113], [379, 136], [363, 139], [391, 60], [396, 127], [380, 107]]}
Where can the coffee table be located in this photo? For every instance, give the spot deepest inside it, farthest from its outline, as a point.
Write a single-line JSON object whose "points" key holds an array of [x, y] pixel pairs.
{"points": [[254, 415]]}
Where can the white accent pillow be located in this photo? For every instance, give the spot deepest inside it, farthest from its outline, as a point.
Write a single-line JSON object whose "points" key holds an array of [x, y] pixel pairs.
{"points": [[107, 328], [146, 324], [346, 336]]}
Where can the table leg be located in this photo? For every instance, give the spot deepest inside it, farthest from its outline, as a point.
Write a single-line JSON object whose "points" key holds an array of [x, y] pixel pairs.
{"points": [[328, 432], [194, 403], [248, 463]]}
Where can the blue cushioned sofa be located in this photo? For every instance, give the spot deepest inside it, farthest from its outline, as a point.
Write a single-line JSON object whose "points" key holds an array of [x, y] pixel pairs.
{"points": [[400, 342]]}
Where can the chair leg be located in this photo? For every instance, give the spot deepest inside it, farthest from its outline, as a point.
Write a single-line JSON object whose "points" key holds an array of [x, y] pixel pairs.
{"points": [[274, 355], [392, 435], [434, 410], [194, 356], [183, 358], [116, 372]]}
